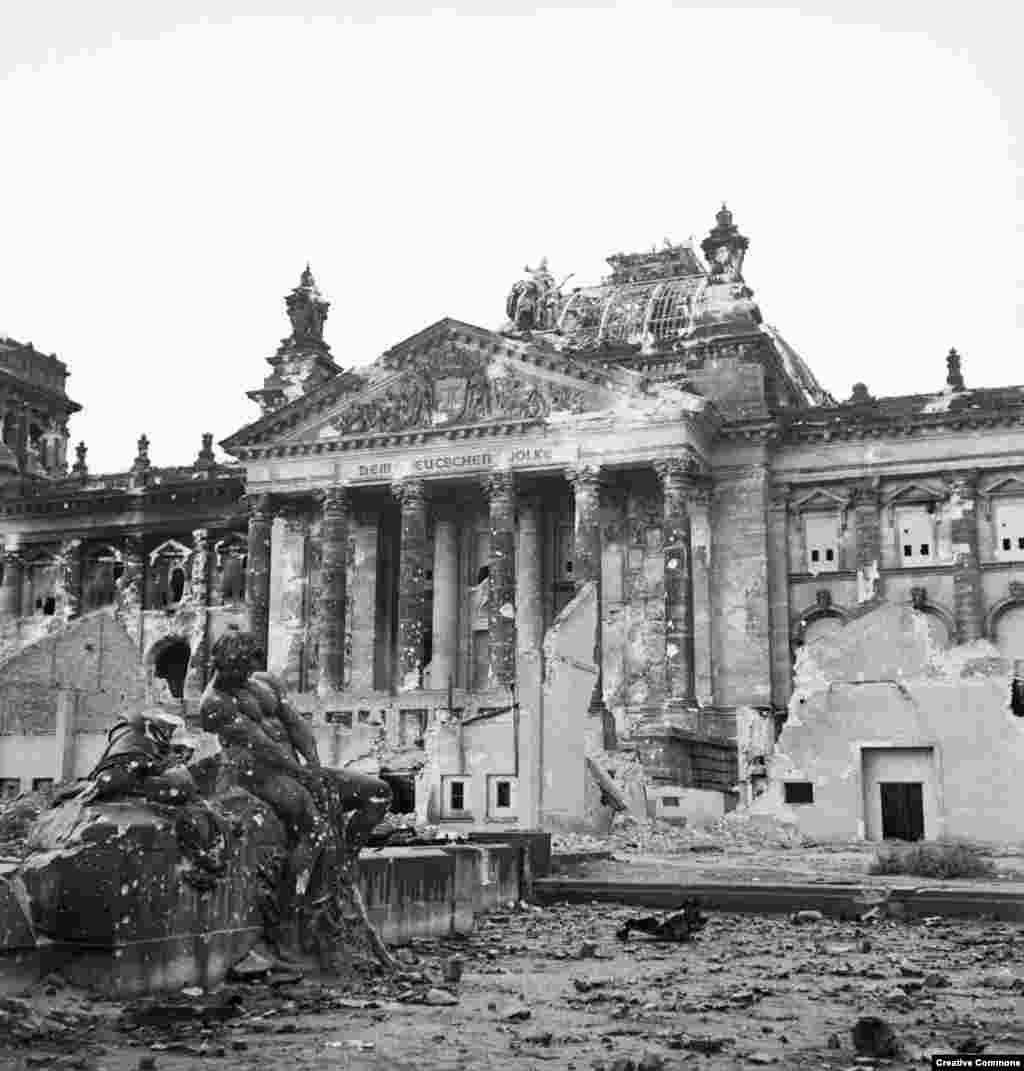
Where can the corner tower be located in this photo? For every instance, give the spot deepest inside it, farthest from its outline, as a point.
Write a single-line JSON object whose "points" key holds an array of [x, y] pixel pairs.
{"points": [[303, 360]]}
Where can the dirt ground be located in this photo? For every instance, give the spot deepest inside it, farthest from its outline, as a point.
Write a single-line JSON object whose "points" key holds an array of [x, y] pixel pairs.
{"points": [[555, 988]]}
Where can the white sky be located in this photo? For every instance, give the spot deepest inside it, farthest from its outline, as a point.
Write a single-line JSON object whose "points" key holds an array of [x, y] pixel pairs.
{"points": [[167, 174]]}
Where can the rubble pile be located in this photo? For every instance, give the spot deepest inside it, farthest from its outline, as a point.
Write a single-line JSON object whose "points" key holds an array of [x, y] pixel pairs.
{"points": [[739, 832]]}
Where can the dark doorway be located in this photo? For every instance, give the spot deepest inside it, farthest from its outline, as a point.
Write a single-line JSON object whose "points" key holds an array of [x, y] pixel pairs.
{"points": [[171, 663], [902, 810]]}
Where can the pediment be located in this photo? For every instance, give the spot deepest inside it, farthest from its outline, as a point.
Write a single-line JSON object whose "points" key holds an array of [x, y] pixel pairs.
{"points": [[448, 377], [820, 498], [170, 548], [912, 492], [1011, 485]]}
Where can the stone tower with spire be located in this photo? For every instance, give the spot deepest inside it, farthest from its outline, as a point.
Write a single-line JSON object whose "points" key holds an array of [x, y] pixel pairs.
{"points": [[303, 360]]}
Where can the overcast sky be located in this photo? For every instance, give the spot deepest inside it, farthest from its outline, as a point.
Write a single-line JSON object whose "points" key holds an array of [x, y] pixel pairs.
{"points": [[166, 175]]}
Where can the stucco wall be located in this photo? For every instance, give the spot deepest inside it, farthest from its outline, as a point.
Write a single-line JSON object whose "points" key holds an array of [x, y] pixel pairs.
{"points": [[881, 683]]}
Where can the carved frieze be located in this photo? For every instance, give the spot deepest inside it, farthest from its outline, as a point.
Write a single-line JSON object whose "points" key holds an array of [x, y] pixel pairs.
{"points": [[451, 386]]}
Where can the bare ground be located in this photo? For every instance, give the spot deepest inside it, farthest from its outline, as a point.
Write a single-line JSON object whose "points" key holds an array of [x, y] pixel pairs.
{"points": [[762, 991]]}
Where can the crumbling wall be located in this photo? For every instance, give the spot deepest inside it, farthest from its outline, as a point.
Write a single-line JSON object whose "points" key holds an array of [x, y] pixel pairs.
{"points": [[880, 684], [568, 732]]}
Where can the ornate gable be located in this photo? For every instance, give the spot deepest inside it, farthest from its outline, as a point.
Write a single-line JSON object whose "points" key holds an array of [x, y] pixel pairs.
{"points": [[450, 376]]}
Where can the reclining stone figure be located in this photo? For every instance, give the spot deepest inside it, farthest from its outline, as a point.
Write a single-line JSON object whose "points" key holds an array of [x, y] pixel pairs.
{"points": [[271, 752]]}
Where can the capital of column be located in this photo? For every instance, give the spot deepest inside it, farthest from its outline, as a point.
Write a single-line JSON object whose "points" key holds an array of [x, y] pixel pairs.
{"points": [[410, 491], [963, 484], [334, 500], [200, 537], [261, 508], [499, 485], [866, 493], [584, 477], [11, 558], [677, 474]]}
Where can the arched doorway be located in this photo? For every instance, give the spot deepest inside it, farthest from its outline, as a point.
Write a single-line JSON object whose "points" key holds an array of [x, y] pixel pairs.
{"points": [[169, 658]]}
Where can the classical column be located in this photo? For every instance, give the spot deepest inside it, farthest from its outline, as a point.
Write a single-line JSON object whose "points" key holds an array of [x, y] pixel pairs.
{"points": [[677, 483], [529, 593], [501, 618], [411, 576], [586, 483], [10, 588], [199, 595], [966, 567], [334, 576], [73, 555], [257, 580], [131, 587], [446, 600]]}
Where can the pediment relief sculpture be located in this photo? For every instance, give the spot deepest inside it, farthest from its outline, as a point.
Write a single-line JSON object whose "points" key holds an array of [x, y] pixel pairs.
{"points": [[450, 387]]}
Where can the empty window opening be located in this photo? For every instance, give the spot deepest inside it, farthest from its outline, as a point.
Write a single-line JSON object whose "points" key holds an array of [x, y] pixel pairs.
{"points": [[39, 783], [671, 801], [118, 571], [170, 662], [9, 787], [49, 606], [457, 796], [925, 550], [503, 794], [799, 792], [342, 718], [177, 584], [483, 573]]}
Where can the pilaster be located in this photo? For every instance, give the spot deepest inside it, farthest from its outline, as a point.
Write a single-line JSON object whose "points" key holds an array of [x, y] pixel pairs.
{"points": [[867, 523], [778, 594], [967, 600]]}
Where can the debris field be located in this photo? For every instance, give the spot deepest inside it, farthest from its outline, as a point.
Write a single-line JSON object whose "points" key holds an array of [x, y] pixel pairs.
{"points": [[573, 987]]}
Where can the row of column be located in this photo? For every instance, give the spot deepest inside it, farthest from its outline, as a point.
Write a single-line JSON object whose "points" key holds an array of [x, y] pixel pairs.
{"points": [[512, 597]]}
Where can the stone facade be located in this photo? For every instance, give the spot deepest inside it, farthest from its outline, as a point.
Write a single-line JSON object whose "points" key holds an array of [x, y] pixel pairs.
{"points": [[409, 537]]}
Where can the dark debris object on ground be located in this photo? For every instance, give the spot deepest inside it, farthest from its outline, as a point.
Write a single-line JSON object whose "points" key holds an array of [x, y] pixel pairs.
{"points": [[677, 926]]}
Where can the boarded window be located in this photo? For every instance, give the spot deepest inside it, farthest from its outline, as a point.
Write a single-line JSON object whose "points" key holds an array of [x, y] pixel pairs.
{"points": [[916, 535], [822, 534], [1009, 520], [799, 792]]}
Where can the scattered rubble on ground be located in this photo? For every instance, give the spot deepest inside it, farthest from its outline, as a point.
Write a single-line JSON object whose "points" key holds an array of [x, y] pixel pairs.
{"points": [[744, 991], [738, 831]]}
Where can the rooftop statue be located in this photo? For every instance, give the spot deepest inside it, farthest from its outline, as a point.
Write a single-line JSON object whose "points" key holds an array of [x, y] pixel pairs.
{"points": [[534, 303]]}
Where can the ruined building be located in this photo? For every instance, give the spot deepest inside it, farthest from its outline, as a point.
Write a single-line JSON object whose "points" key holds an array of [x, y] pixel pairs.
{"points": [[610, 524]]}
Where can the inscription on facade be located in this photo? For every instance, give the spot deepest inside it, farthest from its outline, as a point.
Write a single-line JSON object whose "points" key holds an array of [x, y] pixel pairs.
{"points": [[531, 455], [382, 468], [453, 461]]}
